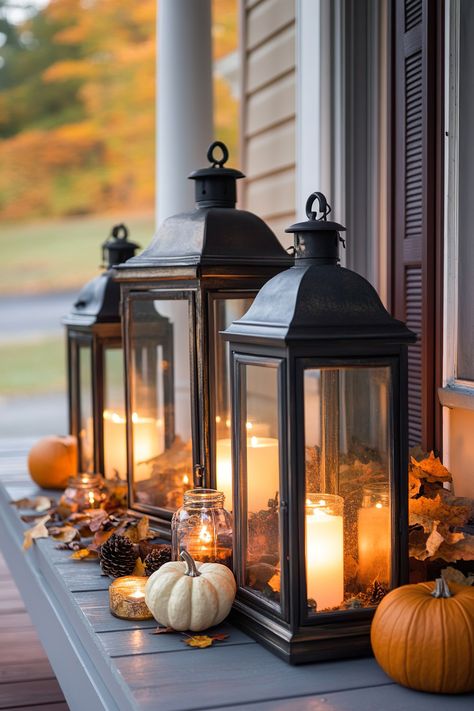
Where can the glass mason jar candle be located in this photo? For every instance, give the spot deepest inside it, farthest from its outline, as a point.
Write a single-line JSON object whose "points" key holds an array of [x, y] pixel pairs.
{"points": [[203, 528], [85, 491]]}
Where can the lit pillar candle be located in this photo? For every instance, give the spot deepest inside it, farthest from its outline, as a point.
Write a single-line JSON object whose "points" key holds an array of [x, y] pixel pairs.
{"points": [[373, 526], [324, 550], [115, 447], [262, 470], [148, 442]]}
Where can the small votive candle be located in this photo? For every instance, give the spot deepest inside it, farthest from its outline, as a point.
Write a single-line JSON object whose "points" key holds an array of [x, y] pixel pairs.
{"points": [[127, 598]]}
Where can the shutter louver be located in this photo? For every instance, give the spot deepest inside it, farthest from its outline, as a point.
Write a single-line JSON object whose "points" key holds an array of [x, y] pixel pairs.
{"points": [[414, 204]]}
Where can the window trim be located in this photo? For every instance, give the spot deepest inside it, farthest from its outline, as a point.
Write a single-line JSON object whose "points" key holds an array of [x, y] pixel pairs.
{"points": [[456, 392]]}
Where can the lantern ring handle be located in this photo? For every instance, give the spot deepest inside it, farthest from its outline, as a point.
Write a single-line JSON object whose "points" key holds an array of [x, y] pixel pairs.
{"points": [[119, 232], [212, 158], [324, 207]]}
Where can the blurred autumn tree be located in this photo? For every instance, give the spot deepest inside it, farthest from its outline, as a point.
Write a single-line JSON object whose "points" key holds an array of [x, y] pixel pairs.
{"points": [[77, 106]]}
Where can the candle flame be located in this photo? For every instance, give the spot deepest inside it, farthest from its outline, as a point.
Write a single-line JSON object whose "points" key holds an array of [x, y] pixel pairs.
{"points": [[254, 441], [227, 423], [378, 505], [321, 502], [249, 425], [91, 497], [137, 595], [185, 479], [204, 534], [218, 419], [135, 417]]}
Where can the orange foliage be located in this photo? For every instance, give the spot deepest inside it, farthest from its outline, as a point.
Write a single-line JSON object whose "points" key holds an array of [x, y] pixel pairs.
{"points": [[105, 157]]}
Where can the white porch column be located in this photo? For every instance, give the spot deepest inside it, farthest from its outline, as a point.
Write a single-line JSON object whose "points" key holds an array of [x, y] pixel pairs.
{"points": [[184, 100]]}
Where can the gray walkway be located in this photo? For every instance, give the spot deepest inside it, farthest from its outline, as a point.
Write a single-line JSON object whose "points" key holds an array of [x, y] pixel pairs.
{"points": [[26, 317]]}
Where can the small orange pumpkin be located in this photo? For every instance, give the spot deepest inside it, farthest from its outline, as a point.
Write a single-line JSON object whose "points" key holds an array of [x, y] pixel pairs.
{"points": [[52, 460], [423, 637]]}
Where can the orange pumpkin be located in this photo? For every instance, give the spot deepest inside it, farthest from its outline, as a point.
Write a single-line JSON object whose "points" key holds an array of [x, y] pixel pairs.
{"points": [[423, 637], [52, 460]]}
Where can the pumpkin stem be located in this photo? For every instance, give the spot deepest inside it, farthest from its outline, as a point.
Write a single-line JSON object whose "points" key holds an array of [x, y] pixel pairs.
{"points": [[441, 588], [191, 568]]}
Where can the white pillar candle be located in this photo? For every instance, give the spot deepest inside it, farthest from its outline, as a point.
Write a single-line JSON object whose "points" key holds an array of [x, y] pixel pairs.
{"points": [[115, 446], [263, 471], [373, 526], [324, 550], [148, 442]]}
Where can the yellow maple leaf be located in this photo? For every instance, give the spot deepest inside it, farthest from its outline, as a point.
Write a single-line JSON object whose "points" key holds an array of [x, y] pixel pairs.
{"points": [[80, 554], [199, 640]]}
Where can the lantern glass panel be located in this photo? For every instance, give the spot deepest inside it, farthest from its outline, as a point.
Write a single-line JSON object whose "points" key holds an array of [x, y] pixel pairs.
{"points": [[160, 400], [224, 311], [115, 450], [86, 426], [348, 461], [261, 450]]}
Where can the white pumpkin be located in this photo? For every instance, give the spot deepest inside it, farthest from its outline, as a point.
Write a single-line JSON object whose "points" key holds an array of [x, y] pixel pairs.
{"points": [[189, 595]]}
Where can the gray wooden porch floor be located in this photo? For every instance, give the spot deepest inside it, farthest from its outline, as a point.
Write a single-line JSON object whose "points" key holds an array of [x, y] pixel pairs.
{"points": [[144, 672], [27, 681]]}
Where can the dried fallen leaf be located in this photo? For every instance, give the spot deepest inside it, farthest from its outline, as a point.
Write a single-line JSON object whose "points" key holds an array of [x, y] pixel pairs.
{"points": [[37, 503], [463, 550], [97, 520], [139, 568], [66, 534], [436, 510], [163, 630], [452, 575], [431, 468], [435, 539], [80, 554], [201, 641], [39, 530], [99, 538], [73, 546]]}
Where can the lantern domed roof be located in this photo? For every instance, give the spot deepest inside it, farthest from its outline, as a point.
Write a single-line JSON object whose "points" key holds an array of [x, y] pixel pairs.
{"points": [[317, 298], [99, 299], [215, 232]]}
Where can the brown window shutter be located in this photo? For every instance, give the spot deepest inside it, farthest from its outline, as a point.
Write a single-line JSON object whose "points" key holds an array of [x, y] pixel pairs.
{"points": [[416, 203]]}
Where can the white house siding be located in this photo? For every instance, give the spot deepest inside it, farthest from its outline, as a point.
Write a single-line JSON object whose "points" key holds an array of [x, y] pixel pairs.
{"points": [[268, 110]]}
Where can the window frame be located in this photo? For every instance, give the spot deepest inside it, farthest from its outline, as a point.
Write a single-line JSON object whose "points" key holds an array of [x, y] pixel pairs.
{"points": [[456, 392]]}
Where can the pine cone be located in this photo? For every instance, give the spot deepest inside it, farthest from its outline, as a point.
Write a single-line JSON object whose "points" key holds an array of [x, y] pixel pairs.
{"points": [[118, 556], [156, 558], [375, 592]]}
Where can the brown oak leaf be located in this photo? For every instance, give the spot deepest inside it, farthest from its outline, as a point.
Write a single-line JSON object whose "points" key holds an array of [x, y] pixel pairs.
{"points": [[163, 630], [97, 520]]}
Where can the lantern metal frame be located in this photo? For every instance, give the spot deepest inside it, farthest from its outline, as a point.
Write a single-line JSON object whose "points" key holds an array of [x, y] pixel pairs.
{"points": [[315, 315], [94, 322], [210, 253]]}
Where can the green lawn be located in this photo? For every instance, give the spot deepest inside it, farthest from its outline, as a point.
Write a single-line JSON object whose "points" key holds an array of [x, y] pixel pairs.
{"points": [[55, 255], [33, 367]]}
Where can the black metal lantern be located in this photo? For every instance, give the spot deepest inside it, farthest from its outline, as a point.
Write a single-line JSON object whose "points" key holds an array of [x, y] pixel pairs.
{"points": [[96, 392], [201, 271], [319, 368]]}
